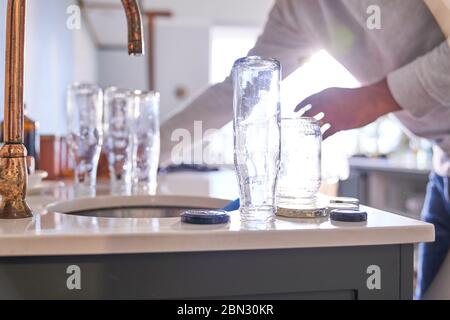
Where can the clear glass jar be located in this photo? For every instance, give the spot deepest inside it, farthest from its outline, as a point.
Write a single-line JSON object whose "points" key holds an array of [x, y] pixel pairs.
{"points": [[300, 173], [257, 136]]}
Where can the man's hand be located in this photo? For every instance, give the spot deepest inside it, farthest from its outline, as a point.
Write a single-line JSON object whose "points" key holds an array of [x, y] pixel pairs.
{"points": [[345, 109]]}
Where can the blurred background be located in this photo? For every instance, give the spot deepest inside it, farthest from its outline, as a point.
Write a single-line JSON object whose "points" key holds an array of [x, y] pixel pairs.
{"points": [[193, 44]]}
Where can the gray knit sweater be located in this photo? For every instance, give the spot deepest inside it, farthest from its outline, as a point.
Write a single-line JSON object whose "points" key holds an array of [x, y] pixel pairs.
{"points": [[409, 49]]}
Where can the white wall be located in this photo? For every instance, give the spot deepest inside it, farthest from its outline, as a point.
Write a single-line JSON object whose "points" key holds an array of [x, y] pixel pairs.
{"points": [[85, 56], [183, 46], [240, 12], [57, 56], [182, 56], [52, 61], [117, 68], [48, 63]]}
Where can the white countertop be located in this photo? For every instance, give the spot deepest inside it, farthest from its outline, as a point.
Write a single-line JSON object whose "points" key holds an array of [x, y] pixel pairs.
{"points": [[60, 234]]}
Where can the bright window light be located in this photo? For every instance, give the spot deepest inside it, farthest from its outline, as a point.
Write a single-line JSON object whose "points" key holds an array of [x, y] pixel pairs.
{"points": [[321, 71], [227, 45]]}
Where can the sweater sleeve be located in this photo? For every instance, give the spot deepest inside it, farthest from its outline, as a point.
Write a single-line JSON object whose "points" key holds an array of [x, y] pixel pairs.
{"points": [[282, 39], [424, 83]]}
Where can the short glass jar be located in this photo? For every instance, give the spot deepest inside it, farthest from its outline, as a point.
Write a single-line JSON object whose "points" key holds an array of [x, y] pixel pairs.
{"points": [[299, 179]]}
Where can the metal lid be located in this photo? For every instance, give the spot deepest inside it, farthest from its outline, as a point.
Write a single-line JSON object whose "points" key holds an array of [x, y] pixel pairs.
{"points": [[301, 212], [346, 200], [205, 217]]}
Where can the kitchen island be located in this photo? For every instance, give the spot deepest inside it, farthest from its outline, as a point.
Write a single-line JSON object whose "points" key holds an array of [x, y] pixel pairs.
{"points": [[62, 256]]}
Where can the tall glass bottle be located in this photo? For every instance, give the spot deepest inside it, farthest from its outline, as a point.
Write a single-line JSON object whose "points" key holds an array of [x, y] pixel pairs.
{"points": [[147, 148], [85, 134], [257, 136], [118, 117]]}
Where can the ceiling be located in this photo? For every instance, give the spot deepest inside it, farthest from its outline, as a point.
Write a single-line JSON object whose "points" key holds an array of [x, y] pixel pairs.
{"points": [[107, 23]]}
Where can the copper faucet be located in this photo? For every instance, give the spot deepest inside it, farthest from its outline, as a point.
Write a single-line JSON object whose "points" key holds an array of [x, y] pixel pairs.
{"points": [[13, 167]]}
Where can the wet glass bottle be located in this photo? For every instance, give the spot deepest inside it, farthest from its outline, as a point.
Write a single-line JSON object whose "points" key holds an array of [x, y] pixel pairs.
{"points": [[257, 136]]}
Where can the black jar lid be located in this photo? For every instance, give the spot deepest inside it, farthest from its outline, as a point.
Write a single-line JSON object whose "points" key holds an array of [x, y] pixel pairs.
{"points": [[348, 215], [205, 217]]}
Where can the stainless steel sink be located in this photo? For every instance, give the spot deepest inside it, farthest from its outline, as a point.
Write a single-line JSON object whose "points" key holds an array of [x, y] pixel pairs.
{"points": [[135, 206]]}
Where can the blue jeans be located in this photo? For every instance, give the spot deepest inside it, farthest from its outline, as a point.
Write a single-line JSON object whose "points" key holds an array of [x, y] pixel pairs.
{"points": [[436, 210]]}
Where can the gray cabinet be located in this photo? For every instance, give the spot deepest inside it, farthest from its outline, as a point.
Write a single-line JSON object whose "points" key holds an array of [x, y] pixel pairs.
{"points": [[368, 272]]}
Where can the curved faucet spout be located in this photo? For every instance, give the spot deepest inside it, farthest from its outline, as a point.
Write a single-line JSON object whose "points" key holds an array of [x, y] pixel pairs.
{"points": [[135, 28], [13, 171]]}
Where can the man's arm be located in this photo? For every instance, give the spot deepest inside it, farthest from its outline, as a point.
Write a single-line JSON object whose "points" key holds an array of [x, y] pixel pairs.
{"points": [[424, 83], [416, 88], [282, 39]]}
